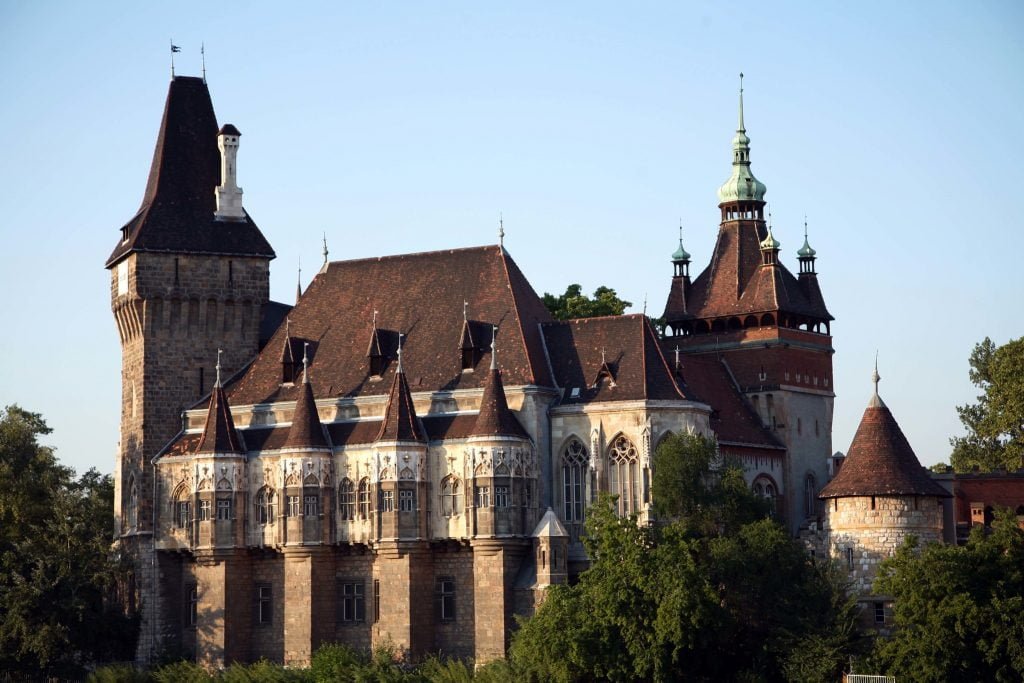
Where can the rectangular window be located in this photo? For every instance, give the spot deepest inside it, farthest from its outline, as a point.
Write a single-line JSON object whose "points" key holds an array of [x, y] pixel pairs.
{"points": [[223, 509], [311, 506], [501, 496], [445, 598], [183, 512], [364, 500], [264, 608], [879, 613], [293, 506], [376, 600], [353, 605], [347, 502], [387, 501], [204, 510], [406, 500], [483, 496], [192, 608]]}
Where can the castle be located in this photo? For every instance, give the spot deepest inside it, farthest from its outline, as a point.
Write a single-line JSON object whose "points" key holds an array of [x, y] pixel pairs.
{"points": [[407, 453]]}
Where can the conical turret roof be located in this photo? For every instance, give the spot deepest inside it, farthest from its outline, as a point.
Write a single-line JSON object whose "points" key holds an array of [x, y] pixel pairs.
{"points": [[400, 421], [495, 418], [880, 461], [306, 430], [219, 435]]}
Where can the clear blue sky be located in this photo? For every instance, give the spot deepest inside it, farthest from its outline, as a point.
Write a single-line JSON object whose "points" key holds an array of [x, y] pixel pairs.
{"points": [[594, 127]]}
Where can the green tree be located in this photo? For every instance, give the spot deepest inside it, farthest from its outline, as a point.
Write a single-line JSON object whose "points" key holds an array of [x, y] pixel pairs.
{"points": [[575, 304], [995, 424], [958, 611], [56, 569], [714, 591]]}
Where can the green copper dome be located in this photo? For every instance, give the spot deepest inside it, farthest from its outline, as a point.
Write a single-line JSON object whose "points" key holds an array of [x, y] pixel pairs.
{"points": [[680, 254], [769, 243], [806, 251], [741, 185]]}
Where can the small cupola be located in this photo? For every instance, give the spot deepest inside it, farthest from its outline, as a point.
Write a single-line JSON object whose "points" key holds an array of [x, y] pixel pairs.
{"points": [[681, 258], [805, 254], [770, 247], [229, 195], [219, 435]]}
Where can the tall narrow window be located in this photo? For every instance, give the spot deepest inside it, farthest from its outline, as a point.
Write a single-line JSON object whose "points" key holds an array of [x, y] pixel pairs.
{"points": [[265, 506], [849, 559], [406, 500], [347, 499], [133, 504], [387, 501], [293, 506], [264, 604], [183, 510], [623, 474], [205, 509], [444, 598], [810, 496], [376, 600], [451, 496], [223, 509], [574, 470], [364, 498], [192, 609]]}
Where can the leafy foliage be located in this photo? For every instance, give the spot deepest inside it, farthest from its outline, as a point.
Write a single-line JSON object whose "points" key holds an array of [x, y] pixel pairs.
{"points": [[575, 304], [995, 424], [958, 611], [715, 591], [56, 568]]}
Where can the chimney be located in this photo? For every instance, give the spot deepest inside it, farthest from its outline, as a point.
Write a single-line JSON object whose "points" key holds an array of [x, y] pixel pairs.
{"points": [[229, 195]]}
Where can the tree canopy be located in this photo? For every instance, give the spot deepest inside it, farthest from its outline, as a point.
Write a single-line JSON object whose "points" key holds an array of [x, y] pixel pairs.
{"points": [[56, 568], [958, 610], [575, 304], [713, 591], [995, 424]]}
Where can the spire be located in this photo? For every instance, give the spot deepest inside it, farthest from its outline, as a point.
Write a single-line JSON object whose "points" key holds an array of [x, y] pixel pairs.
{"points": [[501, 231], [741, 185], [400, 422], [680, 254], [495, 418], [306, 431], [806, 254], [880, 460], [740, 128], [876, 400], [298, 284], [325, 250], [219, 434]]}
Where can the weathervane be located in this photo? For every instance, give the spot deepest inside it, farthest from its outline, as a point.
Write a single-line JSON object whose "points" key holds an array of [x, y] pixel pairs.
{"points": [[501, 230], [174, 48]]}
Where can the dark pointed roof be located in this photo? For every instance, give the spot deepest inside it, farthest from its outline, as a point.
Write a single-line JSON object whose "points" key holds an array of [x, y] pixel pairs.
{"points": [[880, 461], [736, 283], [306, 430], [219, 435], [177, 209], [632, 357], [495, 418], [422, 295], [400, 421]]}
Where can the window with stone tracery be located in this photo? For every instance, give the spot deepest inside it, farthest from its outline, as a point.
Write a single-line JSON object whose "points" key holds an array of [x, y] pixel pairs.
{"points": [[451, 496], [764, 488], [347, 499], [364, 498], [624, 475], [574, 473], [265, 506]]}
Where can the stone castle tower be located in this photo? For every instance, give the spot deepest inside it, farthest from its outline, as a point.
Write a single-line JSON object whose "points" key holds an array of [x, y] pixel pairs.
{"points": [[189, 276], [880, 495], [771, 332]]}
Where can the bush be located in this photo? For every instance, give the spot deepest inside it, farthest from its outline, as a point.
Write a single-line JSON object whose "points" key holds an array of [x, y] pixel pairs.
{"points": [[118, 673], [337, 662], [181, 672]]}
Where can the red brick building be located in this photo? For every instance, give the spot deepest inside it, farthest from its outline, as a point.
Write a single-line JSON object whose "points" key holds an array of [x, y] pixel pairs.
{"points": [[408, 453]]}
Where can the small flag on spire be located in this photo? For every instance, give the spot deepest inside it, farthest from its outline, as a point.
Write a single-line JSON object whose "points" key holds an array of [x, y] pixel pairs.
{"points": [[175, 48]]}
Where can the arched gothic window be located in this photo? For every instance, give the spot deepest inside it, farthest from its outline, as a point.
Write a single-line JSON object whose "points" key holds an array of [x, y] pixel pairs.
{"points": [[265, 506], [574, 472], [624, 474], [364, 498], [132, 516], [182, 510], [765, 488], [810, 496], [347, 499], [451, 496]]}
